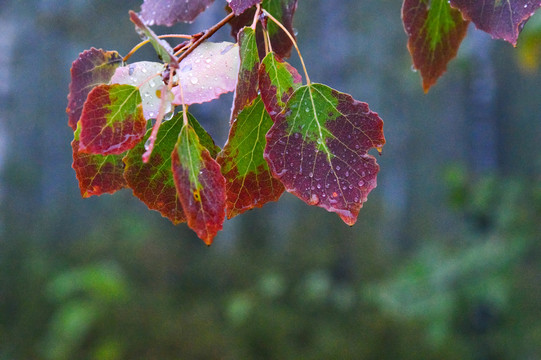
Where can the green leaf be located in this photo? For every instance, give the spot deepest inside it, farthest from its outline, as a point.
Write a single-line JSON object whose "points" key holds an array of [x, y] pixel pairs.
{"points": [[247, 83], [200, 185], [92, 67], [249, 182], [97, 174], [277, 81], [318, 147], [153, 182], [435, 32], [112, 120]]}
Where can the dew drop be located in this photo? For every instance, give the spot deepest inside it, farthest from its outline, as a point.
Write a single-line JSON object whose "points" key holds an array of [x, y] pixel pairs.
{"points": [[147, 144], [347, 173], [168, 116], [413, 68], [314, 199], [307, 109], [194, 80], [208, 61], [318, 186], [361, 183], [337, 167], [363, 174], [311, 174]]}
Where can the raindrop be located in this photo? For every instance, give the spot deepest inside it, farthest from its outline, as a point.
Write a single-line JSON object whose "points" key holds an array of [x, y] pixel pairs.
{"points": [[314, 199], [144, 70], [337, 167], [147, 144], [363, 174], [318, 186], [307, 109], [152, 84], [208, 61], [194, 80], [168, 116], [347, 173], [361, 183], [151, 114], [311, 174], [413, 68]]}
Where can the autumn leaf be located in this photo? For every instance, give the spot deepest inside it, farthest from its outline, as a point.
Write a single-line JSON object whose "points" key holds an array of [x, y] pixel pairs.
{"points": [[163, 49], [277, 82], [249, 182], [247, 83], [283, 11], [200, 185], [208, 72], [435, 32], [93, 67], [502, 19], [112, 120], [170, 12], [318, 146], [97, 174], [152, 182], [239, 6]]}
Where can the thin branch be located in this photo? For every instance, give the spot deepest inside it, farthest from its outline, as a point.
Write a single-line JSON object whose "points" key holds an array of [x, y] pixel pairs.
{"points": [[292, 40], [206, 35]]}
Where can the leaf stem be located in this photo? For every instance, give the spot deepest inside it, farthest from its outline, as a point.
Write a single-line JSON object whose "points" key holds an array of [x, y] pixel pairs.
{"points": [[205, 36], [180, 36], [256, 16], [135, 48], [292, 40]]}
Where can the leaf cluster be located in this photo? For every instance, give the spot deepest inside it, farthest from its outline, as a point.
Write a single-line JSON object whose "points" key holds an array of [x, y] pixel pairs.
{"points": [[304, 138]]}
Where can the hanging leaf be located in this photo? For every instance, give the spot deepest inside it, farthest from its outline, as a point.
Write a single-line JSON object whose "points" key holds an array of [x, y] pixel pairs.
{"points": [[249, 182], [283, 11], [208, 72], [112, 120], [239, 6], [502, 19], [92, 67], [170, 12], [97, 174], [153, 182], [435, 32], [277, 81], [247, 83], [318, 147], [162, 47], [145, 75], [200, 185]]}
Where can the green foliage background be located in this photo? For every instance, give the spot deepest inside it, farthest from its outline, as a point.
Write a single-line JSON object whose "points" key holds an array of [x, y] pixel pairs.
{"points": [[444, 262]]}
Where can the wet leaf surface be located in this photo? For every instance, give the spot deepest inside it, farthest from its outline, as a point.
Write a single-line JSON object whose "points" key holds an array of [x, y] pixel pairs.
{"points": [[208, 72], [502, 19], [169, 12], [318, 147]]}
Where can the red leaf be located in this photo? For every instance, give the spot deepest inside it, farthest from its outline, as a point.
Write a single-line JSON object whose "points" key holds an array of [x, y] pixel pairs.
{"points": [[318, 147], [435, 32], [97, 174], [239, 6], [112, 120], [169, 12], [92, 67], [502, 19], [200, 185]]}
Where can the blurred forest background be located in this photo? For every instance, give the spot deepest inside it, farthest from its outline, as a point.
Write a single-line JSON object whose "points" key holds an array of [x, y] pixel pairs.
{"points": [[443, 263]]}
